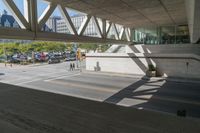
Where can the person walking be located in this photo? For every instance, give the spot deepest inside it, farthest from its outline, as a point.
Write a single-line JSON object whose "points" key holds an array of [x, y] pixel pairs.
{"points": [[6, 61], [73, 66]]}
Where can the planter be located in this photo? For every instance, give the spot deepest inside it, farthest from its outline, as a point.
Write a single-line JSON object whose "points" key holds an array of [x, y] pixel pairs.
{"points": [[151, 73]]}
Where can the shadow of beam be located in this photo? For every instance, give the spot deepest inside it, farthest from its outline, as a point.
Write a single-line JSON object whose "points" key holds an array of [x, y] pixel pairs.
{"points": [[125, 93]]}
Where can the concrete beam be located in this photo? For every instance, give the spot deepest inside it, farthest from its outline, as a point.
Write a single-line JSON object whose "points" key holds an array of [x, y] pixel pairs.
{"points": [[13, 33]]}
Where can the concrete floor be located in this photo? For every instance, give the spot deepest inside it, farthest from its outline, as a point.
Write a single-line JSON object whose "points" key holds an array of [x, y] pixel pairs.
{"points": [[25, 109], [156, 95]]}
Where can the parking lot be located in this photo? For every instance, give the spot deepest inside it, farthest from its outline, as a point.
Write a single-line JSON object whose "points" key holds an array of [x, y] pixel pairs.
{"points": [[20, 74]]}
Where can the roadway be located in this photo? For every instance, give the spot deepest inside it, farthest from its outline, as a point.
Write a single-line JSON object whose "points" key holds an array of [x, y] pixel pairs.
{"points": [[130, 91]]}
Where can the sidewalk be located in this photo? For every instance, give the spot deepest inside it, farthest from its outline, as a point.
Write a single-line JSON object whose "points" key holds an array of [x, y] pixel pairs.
{"points": [[2, 65]]}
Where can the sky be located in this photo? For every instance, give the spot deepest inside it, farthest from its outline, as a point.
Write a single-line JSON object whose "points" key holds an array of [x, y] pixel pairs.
{"points": [[41, 7]]}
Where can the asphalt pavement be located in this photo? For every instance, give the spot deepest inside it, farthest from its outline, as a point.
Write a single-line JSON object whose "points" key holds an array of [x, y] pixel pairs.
{"points": [[157, 95]]}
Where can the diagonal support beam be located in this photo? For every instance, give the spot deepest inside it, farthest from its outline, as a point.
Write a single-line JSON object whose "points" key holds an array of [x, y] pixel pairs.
{"points": [[84, 25], [109, 27], [26, 10], [46, 14], [116, 33], [121, 33], [127, 33], [97, 27], [68, 20], [17, 14]]}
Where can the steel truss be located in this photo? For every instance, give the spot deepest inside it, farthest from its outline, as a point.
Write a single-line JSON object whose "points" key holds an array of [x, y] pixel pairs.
{"points": [[31, 26]]}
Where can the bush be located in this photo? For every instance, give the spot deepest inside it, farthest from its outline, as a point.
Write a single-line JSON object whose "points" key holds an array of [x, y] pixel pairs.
{"points": [[152, 68]]}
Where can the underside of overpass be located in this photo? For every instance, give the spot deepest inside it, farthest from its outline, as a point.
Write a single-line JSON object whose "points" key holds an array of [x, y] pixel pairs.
{"points": [[152, 105], [130, 14]]}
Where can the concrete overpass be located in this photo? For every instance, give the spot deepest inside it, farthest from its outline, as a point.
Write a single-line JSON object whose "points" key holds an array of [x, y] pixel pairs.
{"points": [[130, 14]]}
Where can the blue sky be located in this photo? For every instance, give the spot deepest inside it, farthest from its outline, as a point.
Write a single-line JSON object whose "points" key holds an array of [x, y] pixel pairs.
{"points": [[41, 7]]}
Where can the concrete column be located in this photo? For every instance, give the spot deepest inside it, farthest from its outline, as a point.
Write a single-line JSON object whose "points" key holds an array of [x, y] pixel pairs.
{"points": [[175, 33], [132, 34], [104, 29], [33, 19], [193, 16]]}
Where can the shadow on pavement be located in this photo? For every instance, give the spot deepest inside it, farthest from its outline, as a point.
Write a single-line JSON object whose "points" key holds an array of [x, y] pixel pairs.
{"points": [[158, 95], [24, 110], [161, 96]]}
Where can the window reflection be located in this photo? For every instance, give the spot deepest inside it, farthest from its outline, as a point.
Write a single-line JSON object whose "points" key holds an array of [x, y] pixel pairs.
{"points": [[162, 35]]}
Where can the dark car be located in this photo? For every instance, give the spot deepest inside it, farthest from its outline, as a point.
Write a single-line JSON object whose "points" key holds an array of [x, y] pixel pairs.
{"points": [[53, 60], [12, 59]]}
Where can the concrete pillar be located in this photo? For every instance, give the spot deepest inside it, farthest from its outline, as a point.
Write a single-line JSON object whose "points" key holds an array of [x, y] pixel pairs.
{"points": [[132, 34], [104, 28], [33, 16], [159, 30], [193, 16]]}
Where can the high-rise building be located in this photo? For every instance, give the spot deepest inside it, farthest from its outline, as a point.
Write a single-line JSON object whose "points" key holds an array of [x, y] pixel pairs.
{"points": [[77, 21], [51, 23]]}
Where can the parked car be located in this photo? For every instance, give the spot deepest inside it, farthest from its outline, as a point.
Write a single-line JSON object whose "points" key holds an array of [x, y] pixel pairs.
{"points": [[41, 57], [53, 60], [2, 59], [58, 56], [37, 56]]}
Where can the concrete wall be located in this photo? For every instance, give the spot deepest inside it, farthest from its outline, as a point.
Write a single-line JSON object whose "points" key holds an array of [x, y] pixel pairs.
{"points": [[171, 61]]}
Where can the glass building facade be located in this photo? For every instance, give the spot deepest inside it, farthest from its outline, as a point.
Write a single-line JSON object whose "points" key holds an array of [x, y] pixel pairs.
{"points": [[162, 35]]}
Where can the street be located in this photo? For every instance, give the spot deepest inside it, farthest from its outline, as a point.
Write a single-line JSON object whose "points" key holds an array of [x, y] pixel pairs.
{"points": [[129, 91]]}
